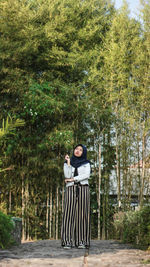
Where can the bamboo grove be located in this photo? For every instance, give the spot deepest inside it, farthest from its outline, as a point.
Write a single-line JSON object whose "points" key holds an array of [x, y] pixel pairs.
{"points": [[73, 72]]}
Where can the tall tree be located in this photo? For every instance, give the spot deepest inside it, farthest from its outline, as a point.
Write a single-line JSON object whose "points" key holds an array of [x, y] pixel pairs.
{"points": [[119, 55], [47, 57]]}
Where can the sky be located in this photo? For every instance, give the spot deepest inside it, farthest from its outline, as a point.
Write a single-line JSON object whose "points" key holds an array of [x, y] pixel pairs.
{"points": [[133, 6]]}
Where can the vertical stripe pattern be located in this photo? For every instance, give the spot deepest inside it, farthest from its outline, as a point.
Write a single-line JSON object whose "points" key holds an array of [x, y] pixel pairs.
{"points": [[75, 229]]}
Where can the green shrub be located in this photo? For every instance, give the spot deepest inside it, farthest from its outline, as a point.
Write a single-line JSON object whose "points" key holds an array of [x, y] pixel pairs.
{"points": [[144, 226], [133, 226], [6, 226], [118, 225]]}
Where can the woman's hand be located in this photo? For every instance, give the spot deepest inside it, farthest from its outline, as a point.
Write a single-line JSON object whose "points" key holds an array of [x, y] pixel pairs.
{"points": [[69, 180], [68, 159]]}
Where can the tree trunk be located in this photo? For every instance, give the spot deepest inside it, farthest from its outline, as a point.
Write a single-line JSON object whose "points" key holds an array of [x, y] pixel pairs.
{"points": [[23, 209], [35, 233], [104, 215], [50, 214], [143, 170], [118, 173], [56, 213], [47, 211], [129, 187], [99, 192], [139, 169], [104, 194], [9, 200], [27, 209], [54, 217], [28, 229]]}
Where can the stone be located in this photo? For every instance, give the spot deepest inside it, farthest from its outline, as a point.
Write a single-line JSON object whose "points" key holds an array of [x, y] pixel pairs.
{"points": [[17, 231]]}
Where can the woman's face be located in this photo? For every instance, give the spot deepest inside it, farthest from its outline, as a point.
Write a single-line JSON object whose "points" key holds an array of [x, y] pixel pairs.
{"points": [[78, 151]]}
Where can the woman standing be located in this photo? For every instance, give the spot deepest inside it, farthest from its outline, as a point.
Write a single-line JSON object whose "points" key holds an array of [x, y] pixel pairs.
{"points": [[75, 230]]}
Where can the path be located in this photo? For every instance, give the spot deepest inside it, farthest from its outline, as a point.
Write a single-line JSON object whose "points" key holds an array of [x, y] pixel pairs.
{"points": [[48, 253]]}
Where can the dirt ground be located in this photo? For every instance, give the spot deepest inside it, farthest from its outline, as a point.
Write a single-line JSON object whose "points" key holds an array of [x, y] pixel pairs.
{"points": [[44, 253]]}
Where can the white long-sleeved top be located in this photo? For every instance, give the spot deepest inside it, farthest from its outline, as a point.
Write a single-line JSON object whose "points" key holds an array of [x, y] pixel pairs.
{"points": [[83, 174]]}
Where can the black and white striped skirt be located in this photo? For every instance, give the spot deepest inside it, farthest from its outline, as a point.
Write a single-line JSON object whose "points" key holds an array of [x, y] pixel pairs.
{"points": [[75, 228]]}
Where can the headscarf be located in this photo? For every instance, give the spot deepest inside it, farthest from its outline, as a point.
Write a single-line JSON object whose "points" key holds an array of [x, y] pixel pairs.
{"points": [[76, 162]]}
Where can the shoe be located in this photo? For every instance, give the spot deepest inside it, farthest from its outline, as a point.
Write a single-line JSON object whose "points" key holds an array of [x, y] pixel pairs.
{"points": [[67, 247], [81, 246]]}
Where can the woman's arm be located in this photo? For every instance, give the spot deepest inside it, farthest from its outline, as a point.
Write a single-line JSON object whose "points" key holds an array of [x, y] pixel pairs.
{"points": [[67, 170]]}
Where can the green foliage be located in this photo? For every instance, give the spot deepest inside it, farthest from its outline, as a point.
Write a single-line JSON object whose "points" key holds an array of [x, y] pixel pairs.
{"points": [[43, 100], [6, 226], [62, 137], [133, 226], [74, 71], [9, 126]]}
